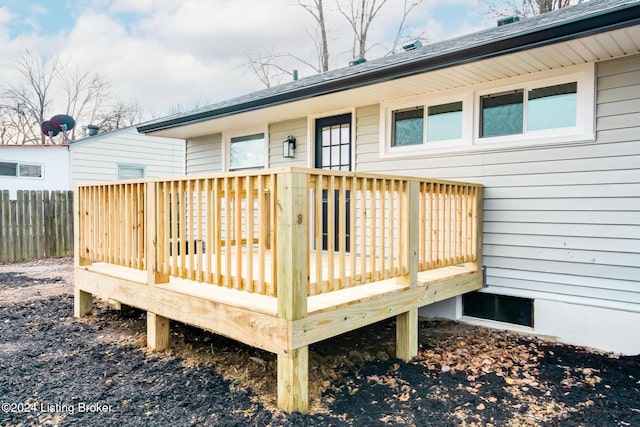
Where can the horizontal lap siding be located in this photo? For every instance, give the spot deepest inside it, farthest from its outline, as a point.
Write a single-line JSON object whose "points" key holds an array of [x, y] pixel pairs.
{"points": [[278, 132], [204, 155], [97, 160], [561, 223]]}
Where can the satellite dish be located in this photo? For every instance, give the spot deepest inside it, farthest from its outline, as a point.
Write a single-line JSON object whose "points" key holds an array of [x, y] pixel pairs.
{"points": [[48, 129], [62, 122]]}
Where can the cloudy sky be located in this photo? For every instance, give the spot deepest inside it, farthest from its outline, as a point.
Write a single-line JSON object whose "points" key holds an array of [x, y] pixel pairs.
{"points": [[161, 53]]}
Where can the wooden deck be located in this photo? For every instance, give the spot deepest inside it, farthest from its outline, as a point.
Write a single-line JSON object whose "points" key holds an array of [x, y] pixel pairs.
{"points": [[261, 276]]}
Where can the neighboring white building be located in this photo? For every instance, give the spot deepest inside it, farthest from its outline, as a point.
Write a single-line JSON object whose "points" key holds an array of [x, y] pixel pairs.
{"points": [[34, 167], [125, 154], [544, 112], [121, 154]]}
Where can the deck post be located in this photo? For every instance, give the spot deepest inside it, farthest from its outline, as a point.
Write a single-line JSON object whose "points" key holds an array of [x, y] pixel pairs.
{"points": [[158, 332], [478, 226], [82, 301], [407, 323], [292, 266]]}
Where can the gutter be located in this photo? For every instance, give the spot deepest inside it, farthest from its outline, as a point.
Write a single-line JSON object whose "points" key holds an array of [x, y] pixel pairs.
{"points": [[603, 21]]}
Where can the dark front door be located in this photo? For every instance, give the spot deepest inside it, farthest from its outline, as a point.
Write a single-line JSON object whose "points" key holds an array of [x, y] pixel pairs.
{"points": [[333, 151]]}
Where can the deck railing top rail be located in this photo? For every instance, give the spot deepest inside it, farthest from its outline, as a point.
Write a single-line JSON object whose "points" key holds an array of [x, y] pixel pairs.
{"points": [[258, 230]]}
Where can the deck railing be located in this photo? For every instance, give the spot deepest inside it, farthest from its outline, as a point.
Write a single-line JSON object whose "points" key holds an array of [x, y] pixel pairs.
{"points": [[247, 230]]}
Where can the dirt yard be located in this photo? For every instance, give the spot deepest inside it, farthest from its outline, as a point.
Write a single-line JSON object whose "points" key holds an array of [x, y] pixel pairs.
{"points": [[57, 370]]}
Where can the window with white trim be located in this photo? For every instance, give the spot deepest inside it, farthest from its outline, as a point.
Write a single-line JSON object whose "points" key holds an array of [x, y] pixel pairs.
{"points": [[21, 170], [521, 111], [552, 107], [247, 152], [130, 172], [444, 122]]}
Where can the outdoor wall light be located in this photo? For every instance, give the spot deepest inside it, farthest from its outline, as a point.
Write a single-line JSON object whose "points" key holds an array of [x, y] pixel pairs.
{"points": [[289, 147]]}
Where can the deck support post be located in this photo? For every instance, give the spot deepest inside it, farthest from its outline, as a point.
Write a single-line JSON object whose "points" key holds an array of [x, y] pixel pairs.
{"points": [[292, 266], [407, 323], [82, 303], [158, 333], [407, 335], [293, 380]]}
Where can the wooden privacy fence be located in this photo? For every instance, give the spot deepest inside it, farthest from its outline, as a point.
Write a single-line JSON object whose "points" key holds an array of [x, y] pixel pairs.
{"points": [[225, 229], [38, 224]]}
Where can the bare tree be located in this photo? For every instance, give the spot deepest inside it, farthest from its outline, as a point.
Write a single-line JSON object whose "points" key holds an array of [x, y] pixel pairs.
{"points": [[119, 115], [408, 6], [26, 106], [85, 94], [43, 83], [360, 14], [316, 9], [526, 8], [266, 68]]}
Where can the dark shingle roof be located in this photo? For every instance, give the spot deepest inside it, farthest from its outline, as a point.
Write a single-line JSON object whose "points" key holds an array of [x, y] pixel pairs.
{"points": [[577, 21]]}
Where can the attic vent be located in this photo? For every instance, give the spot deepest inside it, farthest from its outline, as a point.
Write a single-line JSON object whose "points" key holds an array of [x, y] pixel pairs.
{"points": [[93, 130], [508, 20], [357, 61], [411, 46]]}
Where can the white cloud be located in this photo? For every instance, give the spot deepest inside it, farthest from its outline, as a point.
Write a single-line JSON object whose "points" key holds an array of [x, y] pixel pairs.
{"points": [[37, 9]]}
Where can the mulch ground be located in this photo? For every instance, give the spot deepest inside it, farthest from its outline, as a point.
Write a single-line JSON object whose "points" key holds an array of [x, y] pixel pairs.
{"points": [[57, 370]]}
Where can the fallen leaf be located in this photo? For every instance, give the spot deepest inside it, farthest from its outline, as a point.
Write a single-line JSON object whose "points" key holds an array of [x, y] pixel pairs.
{"points": [[480, 407]]}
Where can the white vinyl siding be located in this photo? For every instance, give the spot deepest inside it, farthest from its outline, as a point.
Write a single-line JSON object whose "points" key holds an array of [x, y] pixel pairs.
{"points": [[97, 158], [560, 223], [204, 155]]}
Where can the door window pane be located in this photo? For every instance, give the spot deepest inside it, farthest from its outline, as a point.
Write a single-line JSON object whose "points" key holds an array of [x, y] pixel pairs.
{"points": [[247, 152], [501, 114], [552, 107], [444, 122], [408, 127]]}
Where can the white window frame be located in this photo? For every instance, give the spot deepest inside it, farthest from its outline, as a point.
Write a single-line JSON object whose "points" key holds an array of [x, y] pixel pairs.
{"points": [[130, 166], [18, 164], [585, 110], [584, 131], [226, 146], [386, 124]]}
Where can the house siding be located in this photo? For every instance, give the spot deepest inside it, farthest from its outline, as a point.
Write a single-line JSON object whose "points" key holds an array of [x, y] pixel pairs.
{"points": [[96, 159], [561, 223], [278, 132], [204, 155]]}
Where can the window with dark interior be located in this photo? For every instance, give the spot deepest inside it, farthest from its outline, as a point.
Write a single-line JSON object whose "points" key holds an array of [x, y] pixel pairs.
{"points": [[8, 168]]}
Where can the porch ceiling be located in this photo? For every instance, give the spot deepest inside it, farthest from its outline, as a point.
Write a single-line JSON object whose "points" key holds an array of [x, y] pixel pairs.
{"points": [[598, 47]]}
